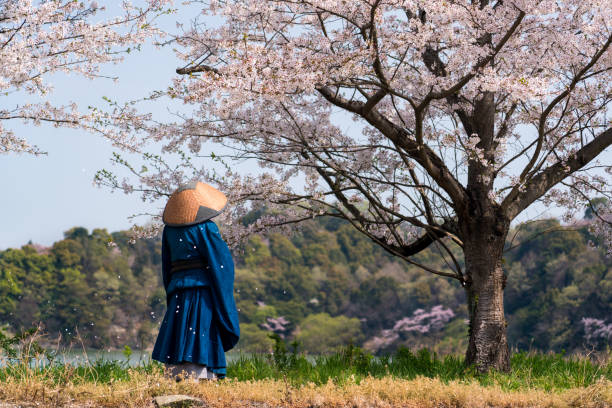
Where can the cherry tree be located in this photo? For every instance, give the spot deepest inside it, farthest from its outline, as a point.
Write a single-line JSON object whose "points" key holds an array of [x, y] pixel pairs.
{"points": [[38, 39], [466, 114]]}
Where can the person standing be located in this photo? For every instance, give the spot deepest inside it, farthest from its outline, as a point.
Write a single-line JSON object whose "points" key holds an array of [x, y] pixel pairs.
{"points": [[201, 320]]}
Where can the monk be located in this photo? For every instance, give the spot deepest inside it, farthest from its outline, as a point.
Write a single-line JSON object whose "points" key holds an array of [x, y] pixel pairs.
{"points": [[201, 321]]}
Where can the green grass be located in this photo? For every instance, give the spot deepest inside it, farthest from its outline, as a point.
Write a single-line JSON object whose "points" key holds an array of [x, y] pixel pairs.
{"points": [[549, 372], [100, 371]]}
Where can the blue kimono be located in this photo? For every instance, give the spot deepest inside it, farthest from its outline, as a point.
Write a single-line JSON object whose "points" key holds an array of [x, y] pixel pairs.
{"points": [[201, 322]]}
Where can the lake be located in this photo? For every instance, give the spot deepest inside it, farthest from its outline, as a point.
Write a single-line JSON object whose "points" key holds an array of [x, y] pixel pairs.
{"points": [[138, 357]]}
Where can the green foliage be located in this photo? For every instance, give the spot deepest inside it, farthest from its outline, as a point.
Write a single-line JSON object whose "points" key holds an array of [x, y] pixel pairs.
{"points": [[330, 283], [554, 281], [282, 248], [256, 252], [253, 339], [285, 358], [322, 333], [127, 352]]}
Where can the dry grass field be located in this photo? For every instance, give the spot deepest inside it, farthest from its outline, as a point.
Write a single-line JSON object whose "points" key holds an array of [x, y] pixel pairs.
{"points": [[421, 392]]}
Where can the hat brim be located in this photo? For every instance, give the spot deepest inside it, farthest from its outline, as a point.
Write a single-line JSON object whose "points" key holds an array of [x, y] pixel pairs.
{"points": [[207, 215], [192, 204]]}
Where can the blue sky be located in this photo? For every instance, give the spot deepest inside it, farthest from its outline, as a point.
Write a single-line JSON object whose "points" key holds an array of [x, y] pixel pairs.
{"points": [[46, 195]]}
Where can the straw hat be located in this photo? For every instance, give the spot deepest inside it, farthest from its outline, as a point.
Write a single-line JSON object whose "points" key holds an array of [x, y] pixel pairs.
{"points": [[193, 203]]}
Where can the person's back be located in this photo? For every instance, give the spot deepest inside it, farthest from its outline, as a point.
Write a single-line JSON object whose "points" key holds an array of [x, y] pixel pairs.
{"points": [[201, 320]]}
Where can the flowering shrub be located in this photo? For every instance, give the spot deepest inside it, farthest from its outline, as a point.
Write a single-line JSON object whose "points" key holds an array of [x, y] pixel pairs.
{"points": [[276, 325], [596, 330], [421, 322]]}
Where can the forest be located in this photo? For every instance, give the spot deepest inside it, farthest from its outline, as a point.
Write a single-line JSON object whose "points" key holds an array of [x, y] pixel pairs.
{"points": [[325, 286]]}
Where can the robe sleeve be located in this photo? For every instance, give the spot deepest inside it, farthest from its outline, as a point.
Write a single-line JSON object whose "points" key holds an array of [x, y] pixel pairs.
{"points": [[216, 252], [166, 260]]}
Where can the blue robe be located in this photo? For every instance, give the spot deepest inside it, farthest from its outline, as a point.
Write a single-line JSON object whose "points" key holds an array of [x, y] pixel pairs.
{"points": [[201, 321]]}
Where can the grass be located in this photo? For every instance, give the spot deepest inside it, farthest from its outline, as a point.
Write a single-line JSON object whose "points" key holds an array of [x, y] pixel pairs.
{"points": [[530, 370], [286, 377], [548, 372]]}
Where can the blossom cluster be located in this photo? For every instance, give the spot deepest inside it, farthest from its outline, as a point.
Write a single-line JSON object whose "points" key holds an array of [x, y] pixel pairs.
{"points": [[420, 322], [278, 325], [274, 83], [39, 39], [596, 329]]}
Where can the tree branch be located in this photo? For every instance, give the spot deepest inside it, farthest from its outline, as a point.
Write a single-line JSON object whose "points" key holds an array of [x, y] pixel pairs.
{"points": [[544, 116], [437, 169], [431, 236], [482, 63], [197, 68], [545, 180]]}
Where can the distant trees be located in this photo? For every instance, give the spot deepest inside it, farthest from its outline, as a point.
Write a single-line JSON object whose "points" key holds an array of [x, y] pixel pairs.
{"points": [[253, 339], [321, 333], [81, 286], [321, 295]]}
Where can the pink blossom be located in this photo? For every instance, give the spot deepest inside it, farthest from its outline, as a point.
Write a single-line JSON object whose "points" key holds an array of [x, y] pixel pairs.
{"points": [[421, 322], [278, 325], [595, 329], [38, 40], [273, 85]]}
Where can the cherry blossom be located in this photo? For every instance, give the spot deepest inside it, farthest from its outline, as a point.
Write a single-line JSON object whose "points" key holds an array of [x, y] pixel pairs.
{"points": [[596, 329], [278, 325], [465, 113], [40, 38], [421, 322]]}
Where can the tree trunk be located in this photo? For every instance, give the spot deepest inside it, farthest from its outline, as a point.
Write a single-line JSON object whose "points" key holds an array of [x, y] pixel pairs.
{"points": [[488, 344]]}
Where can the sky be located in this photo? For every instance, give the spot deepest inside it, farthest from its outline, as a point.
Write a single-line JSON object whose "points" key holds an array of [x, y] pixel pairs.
{"points": [[43, 196]]}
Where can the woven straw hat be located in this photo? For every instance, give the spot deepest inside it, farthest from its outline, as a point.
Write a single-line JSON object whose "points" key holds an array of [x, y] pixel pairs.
{"points": [[193, 203]]}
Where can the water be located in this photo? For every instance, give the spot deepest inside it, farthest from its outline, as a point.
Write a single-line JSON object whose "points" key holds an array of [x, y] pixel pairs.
{"points": [[81, 358], [137, 358]]}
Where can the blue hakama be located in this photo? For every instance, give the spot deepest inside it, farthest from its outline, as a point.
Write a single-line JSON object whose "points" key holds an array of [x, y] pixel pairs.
{"points": [[188, 334], [201, 320]]}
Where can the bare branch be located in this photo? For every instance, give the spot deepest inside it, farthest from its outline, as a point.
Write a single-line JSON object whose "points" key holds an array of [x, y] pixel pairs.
{"points": [[545, 180]]}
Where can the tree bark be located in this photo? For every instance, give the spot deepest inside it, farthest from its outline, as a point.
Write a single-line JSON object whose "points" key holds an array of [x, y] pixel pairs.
{"points": [[488, 343]]}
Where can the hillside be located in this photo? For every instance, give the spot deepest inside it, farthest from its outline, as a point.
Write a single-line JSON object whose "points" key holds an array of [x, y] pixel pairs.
{"points": [[324, 286]]}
